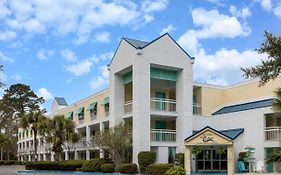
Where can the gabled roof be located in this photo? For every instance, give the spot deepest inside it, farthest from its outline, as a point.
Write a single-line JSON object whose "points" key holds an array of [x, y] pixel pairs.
{"points": [[61, 101], [138, 44], [245, 106], [230, 134]]}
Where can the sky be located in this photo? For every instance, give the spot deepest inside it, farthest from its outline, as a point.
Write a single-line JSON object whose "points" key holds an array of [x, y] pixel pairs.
{"points": [[62, 48]]}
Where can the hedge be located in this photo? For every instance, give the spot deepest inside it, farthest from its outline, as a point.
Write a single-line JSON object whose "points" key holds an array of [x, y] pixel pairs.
{"points": [[179, 160], [107, 168], [176, 170], [8, 162], [94, 165], [129, 168], [158, 168], [69, 165], [145, 158]]}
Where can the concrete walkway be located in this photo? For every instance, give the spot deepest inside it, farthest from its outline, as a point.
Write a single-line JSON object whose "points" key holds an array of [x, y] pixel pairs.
{"points": [[10, 170]]}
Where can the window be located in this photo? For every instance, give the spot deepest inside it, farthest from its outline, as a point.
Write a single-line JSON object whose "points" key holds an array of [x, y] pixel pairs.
{"points": [[106, 106], [70, 115], [80, 113], [93, 110]]}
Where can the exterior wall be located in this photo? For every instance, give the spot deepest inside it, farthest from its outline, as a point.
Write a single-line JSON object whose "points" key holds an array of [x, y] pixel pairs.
{"points": [[212, 98]]}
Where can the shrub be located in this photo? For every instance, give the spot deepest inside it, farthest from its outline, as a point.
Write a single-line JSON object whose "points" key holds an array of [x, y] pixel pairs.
{"points": [[8, 162], [69, 165], [107, 168], [93, 165], [158, 168], [176, 170], [146, 158], [179, 159], [129, 168]]}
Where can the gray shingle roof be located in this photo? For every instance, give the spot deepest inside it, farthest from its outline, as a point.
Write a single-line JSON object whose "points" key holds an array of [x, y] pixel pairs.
{"points": [[138, 44], [244, 106], [61, 101], [230, 133]]}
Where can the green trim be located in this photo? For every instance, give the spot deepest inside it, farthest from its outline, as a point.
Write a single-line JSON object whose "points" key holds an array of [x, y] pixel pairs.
{"points": [[80, 110], [163, 74], [92, 106], [105, 100], [127, 78]]}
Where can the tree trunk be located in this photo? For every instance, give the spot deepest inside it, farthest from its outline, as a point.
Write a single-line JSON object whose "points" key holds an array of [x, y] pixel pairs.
{"points": [[57, 156], [35, 145], [2, 153]]}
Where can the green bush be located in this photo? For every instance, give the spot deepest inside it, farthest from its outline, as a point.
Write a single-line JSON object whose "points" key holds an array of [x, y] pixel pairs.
{"points": [[94, 165], [129, 168], [176, 170], [69, 165], [107, 168], [158, 168], [146, 158], [179, 160]]}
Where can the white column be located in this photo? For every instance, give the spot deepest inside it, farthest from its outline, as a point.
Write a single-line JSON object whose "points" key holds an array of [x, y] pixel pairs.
{"points": [[141, 106], [101, 129], [87, 154], [66, 155], [75, 155]]}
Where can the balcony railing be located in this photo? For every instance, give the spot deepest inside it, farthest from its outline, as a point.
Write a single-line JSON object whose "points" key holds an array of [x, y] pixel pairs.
{"points": [[163, 135], [197, 108], [128, 106], [273, 133], [162, 104]]}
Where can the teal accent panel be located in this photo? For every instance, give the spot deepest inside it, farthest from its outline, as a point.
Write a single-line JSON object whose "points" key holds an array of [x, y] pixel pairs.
{"points": [[160, 105], [127, 78], [160, 124], [105, 100], [269, 167], [80, 110], [92, 106], [163, 74]]}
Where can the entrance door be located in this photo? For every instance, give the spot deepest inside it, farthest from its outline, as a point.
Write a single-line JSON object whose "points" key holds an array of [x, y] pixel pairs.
{"points": [[210, 161], [160, 105], [269, 167]]}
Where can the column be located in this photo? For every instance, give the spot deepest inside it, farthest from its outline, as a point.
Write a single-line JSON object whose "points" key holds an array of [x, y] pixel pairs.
{"points": [[187, 159], [101, 129], [75, 155], [87, 154], [230, 160], [66, 155]]}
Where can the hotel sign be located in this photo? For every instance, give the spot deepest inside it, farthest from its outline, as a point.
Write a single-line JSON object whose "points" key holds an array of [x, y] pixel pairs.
{"points": [[207, 138]]}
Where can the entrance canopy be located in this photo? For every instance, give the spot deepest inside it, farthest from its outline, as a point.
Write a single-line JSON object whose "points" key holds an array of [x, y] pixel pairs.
{"points": [[211, 136]]}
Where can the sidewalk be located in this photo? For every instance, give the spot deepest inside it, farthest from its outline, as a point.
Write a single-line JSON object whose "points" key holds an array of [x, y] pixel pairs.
{"points": [[10, 170]]}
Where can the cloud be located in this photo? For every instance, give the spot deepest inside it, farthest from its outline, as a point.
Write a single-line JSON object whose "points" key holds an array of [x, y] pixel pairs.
{"points": [[269, 7], [101, 57], [242, 13], [16, 77], [98, 83], [43, 92], [102, 37], [168, 29], [266, 4], [155, 5], [5, 58], [211, 24], [277, 10], [81, 68], [44, 54], [223, 67], [4, 11], [68, 55], [7, 35]]}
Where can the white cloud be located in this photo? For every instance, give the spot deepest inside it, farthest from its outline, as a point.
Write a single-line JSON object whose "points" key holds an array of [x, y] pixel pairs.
{"points": [[223, 67], [101, 57], [155, 5], [7, 35], [5, 58], [211, 24], [43, 92], [98, 83], [102, 37], [16, 77], [242, 13], [168, 29], [81, 68], [68, 55], [266, 4], [277, 10], [44, 54], [4, 11]]}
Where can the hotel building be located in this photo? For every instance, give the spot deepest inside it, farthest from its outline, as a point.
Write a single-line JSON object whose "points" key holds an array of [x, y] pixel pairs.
{"points": [[151, 87]]}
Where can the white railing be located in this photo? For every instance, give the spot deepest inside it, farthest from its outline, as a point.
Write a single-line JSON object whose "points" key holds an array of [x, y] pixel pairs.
{"points": [[106, 113], [162, 104], [93, 115], [273, 133], [128, 106], [197, 108], [163, 135]]}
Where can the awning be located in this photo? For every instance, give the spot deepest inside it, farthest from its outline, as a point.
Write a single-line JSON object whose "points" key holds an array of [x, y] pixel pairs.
{"points": [[80, 110], [70, 115], [105, 100], [127, 78], [92, 106]]}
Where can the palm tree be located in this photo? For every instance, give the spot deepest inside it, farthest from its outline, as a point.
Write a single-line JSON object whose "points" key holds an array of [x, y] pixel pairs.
{"points": [[277, 101], [33, 120], [57, 131]]}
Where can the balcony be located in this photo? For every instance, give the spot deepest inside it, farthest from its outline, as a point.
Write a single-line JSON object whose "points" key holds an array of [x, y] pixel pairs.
{"points": [[163, 135], [197, 109], [128, 106], [162, 104], [273, 133]]}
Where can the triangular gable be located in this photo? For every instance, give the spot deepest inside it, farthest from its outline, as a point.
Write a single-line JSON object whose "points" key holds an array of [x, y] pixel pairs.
{"points": [[208, 136]]}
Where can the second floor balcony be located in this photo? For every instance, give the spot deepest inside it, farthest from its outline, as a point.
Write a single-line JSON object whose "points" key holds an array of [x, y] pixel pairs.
{"points": [[162, 104], [273, 133], [163, 135]]}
